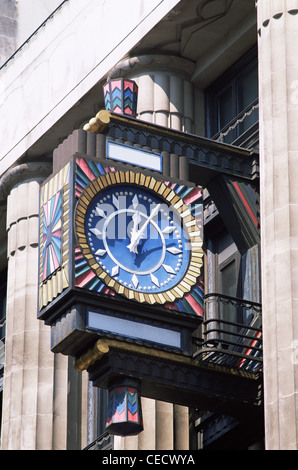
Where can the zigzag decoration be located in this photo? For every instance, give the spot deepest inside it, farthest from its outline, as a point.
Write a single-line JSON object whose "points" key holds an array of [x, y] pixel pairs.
{"points": [[130, 98], [52, 235], [87, 171], [193, 301], [116, 405], [116, 98], [133, 408], [107, 98], [120, 96], [123, 405], [249, 199]]}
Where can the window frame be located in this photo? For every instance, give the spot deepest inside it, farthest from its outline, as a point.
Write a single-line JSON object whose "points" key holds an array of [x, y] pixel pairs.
{"points": [[230, 78], [221, 264]]}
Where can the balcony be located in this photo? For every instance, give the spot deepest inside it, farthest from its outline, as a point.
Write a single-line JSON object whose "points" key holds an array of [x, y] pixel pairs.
{"points": [[104, 442], [227, 344], [243, 130]]}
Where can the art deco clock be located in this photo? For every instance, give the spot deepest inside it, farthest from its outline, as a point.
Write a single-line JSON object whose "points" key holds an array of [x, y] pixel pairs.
{"points": [[111, 239], [139, 237]]}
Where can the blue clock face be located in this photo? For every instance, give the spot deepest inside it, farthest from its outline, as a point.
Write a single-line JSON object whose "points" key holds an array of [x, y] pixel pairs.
{"points": [[137, 239]]}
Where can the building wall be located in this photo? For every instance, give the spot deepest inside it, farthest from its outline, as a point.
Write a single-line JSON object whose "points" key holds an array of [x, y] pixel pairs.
{"points": [[278, 34], [47, 409], [39, 88], [18, 21], [8, 29], [46, 77], [30, 15]]}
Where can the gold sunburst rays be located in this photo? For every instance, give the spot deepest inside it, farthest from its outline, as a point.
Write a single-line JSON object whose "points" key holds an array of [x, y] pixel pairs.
{"points": [[171, 199]]}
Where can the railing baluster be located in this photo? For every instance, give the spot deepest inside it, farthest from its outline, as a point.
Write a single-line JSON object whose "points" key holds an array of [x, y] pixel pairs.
{"points": [[231, 344]]}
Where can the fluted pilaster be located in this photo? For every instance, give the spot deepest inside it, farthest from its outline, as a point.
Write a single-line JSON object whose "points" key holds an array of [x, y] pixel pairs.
{"points": [[278, 38], [166, 95], [28, 377]]}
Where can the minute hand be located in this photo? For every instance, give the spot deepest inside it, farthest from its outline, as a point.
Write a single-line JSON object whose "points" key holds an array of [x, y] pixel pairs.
{"points": [[136, 236]]}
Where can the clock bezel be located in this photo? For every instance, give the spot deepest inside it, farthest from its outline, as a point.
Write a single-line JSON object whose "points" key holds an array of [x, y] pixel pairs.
{"points": [[145, 182]]}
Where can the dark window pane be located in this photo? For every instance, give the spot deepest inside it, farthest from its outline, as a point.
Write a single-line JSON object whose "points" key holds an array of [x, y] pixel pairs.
{"points": [[247, 94], [233, 103], [247, 88], [225, 108], [228, 280]]}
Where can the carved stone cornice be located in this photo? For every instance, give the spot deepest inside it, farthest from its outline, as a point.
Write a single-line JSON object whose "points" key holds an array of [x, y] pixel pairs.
{"points": [[150, 63], [269, 12], [206, 156], [180, 381], [22, 172]]}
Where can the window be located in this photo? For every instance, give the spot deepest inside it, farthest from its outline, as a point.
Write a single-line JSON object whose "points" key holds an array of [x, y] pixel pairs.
{"points": [[228, 274], [228, 283], [224, 278], [232, 103]]}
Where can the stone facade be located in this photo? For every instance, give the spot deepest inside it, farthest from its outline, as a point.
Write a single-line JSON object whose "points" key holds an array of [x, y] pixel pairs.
{"points": [[8, 28], [39, 411], [278, 34]]}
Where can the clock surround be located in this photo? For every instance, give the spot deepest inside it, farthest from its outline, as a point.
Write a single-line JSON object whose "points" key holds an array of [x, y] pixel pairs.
{"points": [[158, 266], [79, 294]]}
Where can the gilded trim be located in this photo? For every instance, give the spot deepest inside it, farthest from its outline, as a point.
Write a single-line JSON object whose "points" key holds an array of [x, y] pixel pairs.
{"points": [[194, 235]]}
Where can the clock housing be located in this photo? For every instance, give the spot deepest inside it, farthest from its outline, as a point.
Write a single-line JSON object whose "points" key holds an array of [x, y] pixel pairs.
{"points": [[120, 257]]}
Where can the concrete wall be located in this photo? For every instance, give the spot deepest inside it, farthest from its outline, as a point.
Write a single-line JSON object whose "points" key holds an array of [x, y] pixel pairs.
{"points": [[30, 14], [63, 62], [278, 69], [18, 20], [8, 28]]}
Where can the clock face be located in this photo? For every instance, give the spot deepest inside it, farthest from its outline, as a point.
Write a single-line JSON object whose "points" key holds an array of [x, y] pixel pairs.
{"points": [[136, 242]]}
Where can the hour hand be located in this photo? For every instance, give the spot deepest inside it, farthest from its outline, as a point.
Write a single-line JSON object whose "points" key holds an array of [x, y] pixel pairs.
{"points": [[138, 235], [133, 247]]}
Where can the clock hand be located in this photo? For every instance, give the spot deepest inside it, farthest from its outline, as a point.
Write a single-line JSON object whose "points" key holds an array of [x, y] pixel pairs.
{"points": [[135, 239], [136, 221]]}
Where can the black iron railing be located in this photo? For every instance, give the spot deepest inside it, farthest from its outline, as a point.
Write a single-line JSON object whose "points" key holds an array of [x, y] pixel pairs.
{"points": [[231, 344], [243, 130], [103, 442]]}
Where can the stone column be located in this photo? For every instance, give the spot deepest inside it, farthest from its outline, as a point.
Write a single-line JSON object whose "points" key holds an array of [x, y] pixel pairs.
{"points": [[166, 94], [29, 363], [278, 85]]}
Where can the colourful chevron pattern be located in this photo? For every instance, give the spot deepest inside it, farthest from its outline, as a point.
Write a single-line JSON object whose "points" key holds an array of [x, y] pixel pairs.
{"points": [[248, 198], [120, 96], [87, 171], [192, 303], [124, 414], [52, 235]]}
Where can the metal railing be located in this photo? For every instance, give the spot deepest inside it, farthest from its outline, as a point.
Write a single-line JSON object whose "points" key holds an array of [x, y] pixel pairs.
{"points": [[231, 344], [103, 442], [243, 130]]}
